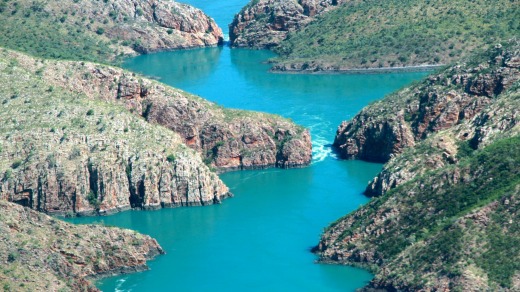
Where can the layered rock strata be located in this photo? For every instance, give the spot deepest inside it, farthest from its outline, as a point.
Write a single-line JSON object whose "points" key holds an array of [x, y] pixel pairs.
{"points": [[443, 217], [71, 147], [467, 102], [65, 152], [266, 23], [228, 139], [40, 253]]}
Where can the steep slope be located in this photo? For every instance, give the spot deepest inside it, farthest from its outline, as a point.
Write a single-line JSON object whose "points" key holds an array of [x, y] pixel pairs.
{"points": [[39, 253], [465, 106], [264, 24], [447, 201], [454, 229], [102, 30], [361, 34], [446, 99], [62, 152], [69, 145]]}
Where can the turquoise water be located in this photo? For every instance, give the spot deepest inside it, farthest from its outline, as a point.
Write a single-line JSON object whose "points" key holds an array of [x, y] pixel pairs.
{"points": [[260, 239]]}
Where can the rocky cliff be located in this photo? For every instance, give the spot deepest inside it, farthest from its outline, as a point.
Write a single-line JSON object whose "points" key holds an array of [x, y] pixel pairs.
{"points": [[70, 145], [353, 36], [468, 102], [266, 23], [40, 253], [454, 229], [65, 152], [447, 200], [103, 30], [227, 139]]}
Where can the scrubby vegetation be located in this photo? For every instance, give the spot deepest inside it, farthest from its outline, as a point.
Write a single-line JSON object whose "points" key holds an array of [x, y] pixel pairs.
{"points": [[27, 27], [373, 34]]}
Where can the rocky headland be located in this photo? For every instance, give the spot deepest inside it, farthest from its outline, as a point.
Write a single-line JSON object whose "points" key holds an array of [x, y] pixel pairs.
{"points": [[447, 199], [371, 36], [41, 253], [265, 24], [102, 31], [83, 138], [467, 104]]}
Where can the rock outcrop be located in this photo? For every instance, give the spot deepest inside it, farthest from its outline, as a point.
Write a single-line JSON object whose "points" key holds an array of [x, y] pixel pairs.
{"points": [[470, 100], [451, 229], [349, 36], [40, 253], [104, 31], [65, 152], [227, 139], [265, 23], [71, 147], [446, 202]]}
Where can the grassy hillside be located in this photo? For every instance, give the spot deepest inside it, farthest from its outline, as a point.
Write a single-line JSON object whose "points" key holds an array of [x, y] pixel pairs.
{"points": [[442, 229], [448, 201], [40, 253], [394, 33], [102, 30]]}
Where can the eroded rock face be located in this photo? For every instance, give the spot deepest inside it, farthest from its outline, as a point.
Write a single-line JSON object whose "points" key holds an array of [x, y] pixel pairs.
{"points": [[147, 26], [265, 23], [462, 98], [71, 147], [66, 152], [227, 139], [47, 254], [416, 238]]}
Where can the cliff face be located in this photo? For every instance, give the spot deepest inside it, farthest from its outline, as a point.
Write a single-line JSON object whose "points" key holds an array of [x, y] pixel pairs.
{"points": [[71, 147], [63, 151], [266, 23], [446, 202], [349, 35], [39, 253], [151, 25], [467, 102], [103, 31], [453, 229], [227, 139]]}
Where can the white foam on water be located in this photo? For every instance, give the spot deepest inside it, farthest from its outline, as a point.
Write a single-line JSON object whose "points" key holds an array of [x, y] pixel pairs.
{"points": [[226, 37], [320, 150], [120, 283]]}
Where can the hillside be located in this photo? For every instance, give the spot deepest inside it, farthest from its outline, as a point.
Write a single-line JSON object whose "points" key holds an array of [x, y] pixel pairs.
{"points": [[40, 253], [85, 138], [375, 34], [447, 200], [102, 31]]}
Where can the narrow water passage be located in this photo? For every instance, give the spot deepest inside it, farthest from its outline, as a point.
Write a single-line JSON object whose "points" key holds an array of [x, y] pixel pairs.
{"points": [[260, 239]]}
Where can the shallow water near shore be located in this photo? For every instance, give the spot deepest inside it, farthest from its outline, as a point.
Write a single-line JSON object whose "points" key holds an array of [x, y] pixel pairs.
{"points": [[259, 240]]}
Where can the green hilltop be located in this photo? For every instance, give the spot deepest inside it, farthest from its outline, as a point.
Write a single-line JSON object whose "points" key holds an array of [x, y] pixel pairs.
{"points": [[397, 33]]}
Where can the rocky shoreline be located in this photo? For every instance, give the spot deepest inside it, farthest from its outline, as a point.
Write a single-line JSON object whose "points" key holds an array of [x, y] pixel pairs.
{"points": [[40, 253], [450, 181]]}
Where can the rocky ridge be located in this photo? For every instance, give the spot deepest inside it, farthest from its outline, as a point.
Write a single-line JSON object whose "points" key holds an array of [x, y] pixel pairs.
{"points": [[228, 139], [265, 24], [468, 102], [40, 253], [104, 31], [446, 203], [70, 145], [452, 229], [65, 152], [371, 36]]}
